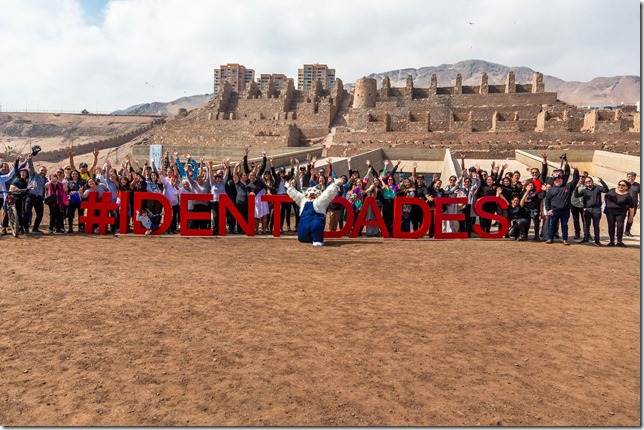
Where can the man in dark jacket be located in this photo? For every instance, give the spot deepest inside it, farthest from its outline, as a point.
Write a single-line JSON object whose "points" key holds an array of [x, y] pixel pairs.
{"points": [[557, 204], [591, 197], [634, 191]]}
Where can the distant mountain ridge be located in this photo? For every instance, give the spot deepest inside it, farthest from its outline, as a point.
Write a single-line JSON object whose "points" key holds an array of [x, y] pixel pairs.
{"points": [[599, 91], [602, 91]]}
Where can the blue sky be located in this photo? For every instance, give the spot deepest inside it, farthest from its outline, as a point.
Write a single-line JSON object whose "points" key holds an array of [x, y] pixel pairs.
{"points": [[107, 55], [94, 10]]}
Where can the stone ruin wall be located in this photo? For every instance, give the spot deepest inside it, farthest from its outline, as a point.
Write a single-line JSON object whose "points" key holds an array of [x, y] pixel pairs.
{"points": [[490, 107], [269, 118], [484, 145], [485, 118], [226, 133]]}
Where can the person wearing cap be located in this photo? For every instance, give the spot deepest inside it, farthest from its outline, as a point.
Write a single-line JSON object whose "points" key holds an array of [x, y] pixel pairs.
{"points": [[313, 205], [634, 191], [84, 170], [557, 204], [36, 195], [591, 199]]}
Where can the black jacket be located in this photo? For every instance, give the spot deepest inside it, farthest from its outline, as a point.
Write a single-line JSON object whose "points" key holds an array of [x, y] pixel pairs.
{"points": [[558, 198], [592, 197]]}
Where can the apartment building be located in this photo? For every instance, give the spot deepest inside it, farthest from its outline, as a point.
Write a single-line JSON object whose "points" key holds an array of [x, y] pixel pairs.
{"points": [[279, 78], [237, 75], [309, 73]]}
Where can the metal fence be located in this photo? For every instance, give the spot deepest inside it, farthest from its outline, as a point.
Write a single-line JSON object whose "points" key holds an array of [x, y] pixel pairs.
{"points": [[76, 112]]}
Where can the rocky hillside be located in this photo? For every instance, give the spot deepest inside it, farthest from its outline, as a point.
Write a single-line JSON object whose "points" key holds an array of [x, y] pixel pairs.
{"points": [[167, 109], [599, 91]]}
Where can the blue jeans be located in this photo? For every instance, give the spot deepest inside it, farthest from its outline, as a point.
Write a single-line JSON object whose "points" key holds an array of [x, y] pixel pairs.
{"points": [[562, 215]]}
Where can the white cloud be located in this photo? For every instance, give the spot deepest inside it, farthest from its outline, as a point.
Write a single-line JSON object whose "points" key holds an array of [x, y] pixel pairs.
{"points": [[56, 57]]}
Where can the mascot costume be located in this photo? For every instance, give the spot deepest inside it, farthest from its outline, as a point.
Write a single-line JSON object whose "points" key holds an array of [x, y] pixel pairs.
{"points": [[313, 204]]}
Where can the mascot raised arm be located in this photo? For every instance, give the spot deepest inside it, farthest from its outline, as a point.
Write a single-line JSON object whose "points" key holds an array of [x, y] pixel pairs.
{"points": [[313, 204]]}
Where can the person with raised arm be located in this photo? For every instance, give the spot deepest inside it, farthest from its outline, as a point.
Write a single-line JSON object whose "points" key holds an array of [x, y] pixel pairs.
{"points": [[35, 198], [557, 204], [201, 185], [84, 170], [591, 199], [468, 184], [172, 192], [281, 178]]}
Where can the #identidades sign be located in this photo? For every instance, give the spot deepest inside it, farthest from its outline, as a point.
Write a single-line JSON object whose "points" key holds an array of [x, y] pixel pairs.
{"points": [[101, 212]]}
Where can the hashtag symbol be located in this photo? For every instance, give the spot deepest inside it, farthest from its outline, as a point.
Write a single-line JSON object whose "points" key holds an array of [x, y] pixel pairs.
{"points": [[97, 212]]}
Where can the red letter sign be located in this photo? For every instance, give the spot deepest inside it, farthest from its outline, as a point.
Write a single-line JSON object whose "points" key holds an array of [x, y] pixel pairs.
{"points": [[225, 204], [187, 216], [370, 202], [348, 209], [504, 224], [440, 217], [398, 209], [277, 200], [138, 198]]}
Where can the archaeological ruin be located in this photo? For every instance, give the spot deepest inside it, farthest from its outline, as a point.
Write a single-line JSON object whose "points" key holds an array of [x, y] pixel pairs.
{"points": [[482, 121]]}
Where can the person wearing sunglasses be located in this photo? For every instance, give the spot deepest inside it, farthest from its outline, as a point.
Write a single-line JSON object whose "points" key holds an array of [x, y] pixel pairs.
{"points": [[619, 206], [591, 199]]}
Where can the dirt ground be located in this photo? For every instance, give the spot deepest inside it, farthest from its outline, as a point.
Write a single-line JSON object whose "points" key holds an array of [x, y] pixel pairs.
{"points": [[236, 331]]}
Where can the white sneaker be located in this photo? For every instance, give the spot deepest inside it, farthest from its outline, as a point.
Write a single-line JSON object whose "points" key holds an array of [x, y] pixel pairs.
{"points": [[318, 243], [147, 232]]}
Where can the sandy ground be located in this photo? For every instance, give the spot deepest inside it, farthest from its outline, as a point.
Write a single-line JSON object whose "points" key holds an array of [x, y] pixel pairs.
{"points": [[236, 331]]}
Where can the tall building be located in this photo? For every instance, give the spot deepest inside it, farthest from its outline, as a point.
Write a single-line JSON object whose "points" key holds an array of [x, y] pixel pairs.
{"points": [[310, 73], [279, 79], [236, 74]]}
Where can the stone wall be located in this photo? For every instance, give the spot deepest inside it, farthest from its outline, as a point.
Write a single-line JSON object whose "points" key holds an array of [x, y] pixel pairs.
{"points": [[492, 145], [227, 133], [112, 142]]}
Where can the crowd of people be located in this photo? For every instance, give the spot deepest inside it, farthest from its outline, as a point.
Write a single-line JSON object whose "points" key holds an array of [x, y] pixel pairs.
{"points": [[542, 203]]}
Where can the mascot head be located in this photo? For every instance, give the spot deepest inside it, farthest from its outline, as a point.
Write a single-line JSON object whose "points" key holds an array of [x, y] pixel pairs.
{"points": [[312, 193]]}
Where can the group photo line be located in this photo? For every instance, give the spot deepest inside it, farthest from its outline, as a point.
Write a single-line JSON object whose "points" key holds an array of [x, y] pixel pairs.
{"points": [[196, 199]]}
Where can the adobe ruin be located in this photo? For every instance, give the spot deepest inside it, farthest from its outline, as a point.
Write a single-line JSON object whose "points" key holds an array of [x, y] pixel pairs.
{"points": [[486, 118]]}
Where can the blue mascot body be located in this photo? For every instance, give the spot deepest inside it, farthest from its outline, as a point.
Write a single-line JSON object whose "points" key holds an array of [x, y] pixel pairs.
{"points": [[313, 205]]}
